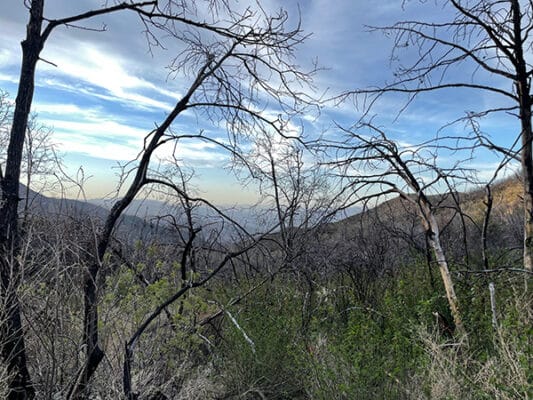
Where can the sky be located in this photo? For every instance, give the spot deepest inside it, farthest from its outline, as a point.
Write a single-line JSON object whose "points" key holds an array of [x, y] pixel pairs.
{"points": [[101, 92]]}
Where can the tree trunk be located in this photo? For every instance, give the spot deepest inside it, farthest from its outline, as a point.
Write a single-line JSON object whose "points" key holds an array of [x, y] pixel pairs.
{"points": [[524, 99], [12, 338], [434, 242], [448, 283], [94, 353], [12, 335], [527, 171], [485, 229]]}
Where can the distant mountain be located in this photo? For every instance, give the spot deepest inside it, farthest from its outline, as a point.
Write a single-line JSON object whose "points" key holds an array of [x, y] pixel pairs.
{"points": [[148, 217], [252, 218], [129, 227], [212, 221]]}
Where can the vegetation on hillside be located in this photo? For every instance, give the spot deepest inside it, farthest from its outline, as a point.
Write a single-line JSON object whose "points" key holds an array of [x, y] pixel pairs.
{"points": [[369, 320]]}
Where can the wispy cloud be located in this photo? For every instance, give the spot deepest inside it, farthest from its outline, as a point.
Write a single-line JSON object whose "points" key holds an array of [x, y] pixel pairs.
{"points": [[106, 92], [96, 71], [8, 78], [91, 132]]}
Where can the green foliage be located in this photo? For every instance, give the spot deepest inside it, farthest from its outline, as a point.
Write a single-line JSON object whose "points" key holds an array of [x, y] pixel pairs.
{"points": [[378, 347], [362, 356], [133, 300], [391, 348], [271, 367], [294, 340]]}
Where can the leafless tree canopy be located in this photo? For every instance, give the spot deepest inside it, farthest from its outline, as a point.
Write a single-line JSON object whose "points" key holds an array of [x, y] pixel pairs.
{"points": [[476, 45]]}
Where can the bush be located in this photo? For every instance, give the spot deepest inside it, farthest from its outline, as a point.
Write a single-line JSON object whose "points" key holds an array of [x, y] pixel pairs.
{"points": [[392, 347], [268, 368]]}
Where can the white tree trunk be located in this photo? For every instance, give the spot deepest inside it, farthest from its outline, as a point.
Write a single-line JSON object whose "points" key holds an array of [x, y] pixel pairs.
{"points": [[440, 257]]}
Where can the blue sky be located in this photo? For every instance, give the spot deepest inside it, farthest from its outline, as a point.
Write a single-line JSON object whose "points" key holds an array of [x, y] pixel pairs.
{"points": [[107, 91]]}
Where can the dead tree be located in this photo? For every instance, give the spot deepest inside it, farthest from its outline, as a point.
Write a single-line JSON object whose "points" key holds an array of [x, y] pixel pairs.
{"points": [[231, 66], [305, 200], [477, 44], [38, 32], [300, 193], [190, 275], [40, 161], [375, 166]]}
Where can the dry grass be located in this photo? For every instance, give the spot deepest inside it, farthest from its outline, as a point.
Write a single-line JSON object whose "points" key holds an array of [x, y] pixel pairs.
{"points": [[453, 372]]}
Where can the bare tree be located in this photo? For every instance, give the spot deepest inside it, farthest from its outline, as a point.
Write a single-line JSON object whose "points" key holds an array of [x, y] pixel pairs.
{"points": [[298, 190], [302, 199], [38, 32], [480, 45], [40, 161], [375, 166]]}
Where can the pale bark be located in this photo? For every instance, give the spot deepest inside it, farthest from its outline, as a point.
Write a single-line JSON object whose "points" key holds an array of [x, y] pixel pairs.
{"points": [[502, 32], [492, 292], [440, 258]]}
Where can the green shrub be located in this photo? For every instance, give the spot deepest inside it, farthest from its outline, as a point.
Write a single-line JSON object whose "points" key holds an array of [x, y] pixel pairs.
{"points": [[270, 367]]}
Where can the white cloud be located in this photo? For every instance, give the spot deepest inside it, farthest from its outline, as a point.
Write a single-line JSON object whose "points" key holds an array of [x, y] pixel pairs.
{"points": [[90, 132], [114, 76], [113, 68], [104, 130], [5, 56], [191, 153], [69, 109], [8, 78], [194, 153], [98, 149]]}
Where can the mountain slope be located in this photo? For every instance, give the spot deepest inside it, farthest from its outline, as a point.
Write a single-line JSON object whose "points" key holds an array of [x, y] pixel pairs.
{"points": [[129, 227]]}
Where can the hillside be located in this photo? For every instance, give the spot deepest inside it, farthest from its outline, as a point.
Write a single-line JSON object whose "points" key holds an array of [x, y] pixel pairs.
{"points": [[506, 193], [130, 227], [393, 230]]}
